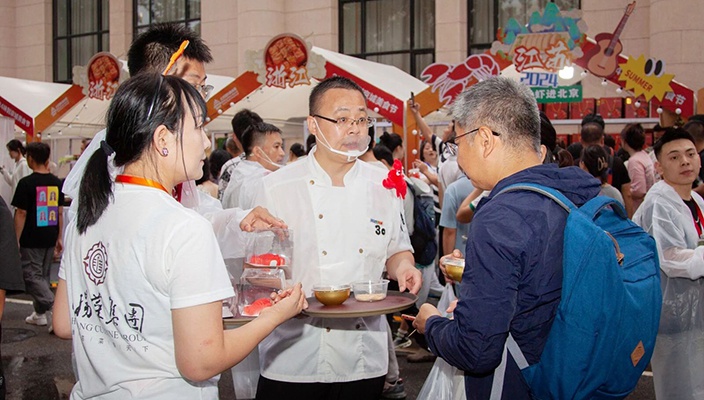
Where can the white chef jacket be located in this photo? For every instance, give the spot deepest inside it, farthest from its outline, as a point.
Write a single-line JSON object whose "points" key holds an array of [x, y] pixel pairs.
{"points": [[678, 358], [341, 235], [240, 192]]}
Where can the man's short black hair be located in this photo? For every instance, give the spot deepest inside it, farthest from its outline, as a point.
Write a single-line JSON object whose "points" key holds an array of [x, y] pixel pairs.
{"points": [[336, 82], [671, 134], [254, 135], [591, 133], [152, 50], [634, 136], [243, 120], [697, 117], [39, 152], [696, 129], [594, 118]]}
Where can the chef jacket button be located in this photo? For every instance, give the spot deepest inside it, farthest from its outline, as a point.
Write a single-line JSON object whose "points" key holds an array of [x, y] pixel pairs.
{"points": [[361, 251], [312, 182], [325, 253], [320, 216], [327, 329], [358, 326]]}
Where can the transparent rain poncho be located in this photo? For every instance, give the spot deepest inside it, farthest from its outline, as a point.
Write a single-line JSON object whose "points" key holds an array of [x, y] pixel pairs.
{"points": [[678, 359]]}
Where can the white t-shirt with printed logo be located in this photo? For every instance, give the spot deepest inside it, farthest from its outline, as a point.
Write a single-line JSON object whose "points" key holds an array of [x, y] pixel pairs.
{"points": [[145, 256]]}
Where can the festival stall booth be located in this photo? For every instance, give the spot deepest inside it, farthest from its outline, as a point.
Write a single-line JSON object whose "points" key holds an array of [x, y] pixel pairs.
{"points": [[565, 69], [62, 114], [279, 79], [32, 107]]}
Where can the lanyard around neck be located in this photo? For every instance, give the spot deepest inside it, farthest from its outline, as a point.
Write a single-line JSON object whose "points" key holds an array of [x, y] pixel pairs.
{"points": [[138, 180]]}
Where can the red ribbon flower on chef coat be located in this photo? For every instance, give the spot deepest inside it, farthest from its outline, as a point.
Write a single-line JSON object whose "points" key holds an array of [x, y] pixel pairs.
{"points": [[395, 180]]}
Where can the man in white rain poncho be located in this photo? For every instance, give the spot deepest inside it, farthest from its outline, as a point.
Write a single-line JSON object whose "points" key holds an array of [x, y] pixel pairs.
{"points": [[672, 213]]}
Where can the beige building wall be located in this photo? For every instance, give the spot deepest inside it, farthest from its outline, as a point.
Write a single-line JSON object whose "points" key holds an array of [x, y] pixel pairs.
{"points": [[664, 29], [120, 27], [8, 46], [30, 39], [231, 28], [450, 31]]}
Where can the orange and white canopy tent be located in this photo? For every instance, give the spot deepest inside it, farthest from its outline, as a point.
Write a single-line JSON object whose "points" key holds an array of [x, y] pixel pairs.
{"points": [[279, 98], [35, 106], [69, 111]]}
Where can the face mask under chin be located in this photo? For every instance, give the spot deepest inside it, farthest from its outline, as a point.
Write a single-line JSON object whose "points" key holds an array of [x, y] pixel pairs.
{"points": [[267, 160], [352, 155]]}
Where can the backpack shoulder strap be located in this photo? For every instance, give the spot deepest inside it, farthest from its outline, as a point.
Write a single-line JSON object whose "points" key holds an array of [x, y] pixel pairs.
{"points": [[551, 193], [510, 347], [594, 206]]}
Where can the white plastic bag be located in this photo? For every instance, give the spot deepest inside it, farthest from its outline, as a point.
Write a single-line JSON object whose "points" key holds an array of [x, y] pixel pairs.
{"points": [[447, 297], [245, 376], [444, 382]]}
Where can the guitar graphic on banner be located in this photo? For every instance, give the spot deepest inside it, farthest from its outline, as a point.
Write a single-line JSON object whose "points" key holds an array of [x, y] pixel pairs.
{"points": [[603, 58]]}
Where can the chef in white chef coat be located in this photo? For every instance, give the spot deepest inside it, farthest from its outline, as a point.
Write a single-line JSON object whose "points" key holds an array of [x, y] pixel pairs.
{"points": [[347, 227]]}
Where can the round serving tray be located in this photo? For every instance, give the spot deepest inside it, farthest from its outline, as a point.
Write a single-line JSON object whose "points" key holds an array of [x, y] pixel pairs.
{"points": [[351, 308]]}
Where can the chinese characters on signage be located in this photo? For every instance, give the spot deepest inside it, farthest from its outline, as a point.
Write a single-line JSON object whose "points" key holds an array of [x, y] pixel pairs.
{"points": [[560, 94], [285, 60], [103, 76], [546, 51], [22, 120], [379, 101]]}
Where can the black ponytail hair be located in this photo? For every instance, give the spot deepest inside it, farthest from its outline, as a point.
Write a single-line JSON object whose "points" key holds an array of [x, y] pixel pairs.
{"points": [[139, 107], [391, 140], [595, 159], [16, 145]]}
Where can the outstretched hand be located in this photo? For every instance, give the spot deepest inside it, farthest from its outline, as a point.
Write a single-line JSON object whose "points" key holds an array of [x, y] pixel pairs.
{"points": [[409, 278], [260, 218], [287, 303]]}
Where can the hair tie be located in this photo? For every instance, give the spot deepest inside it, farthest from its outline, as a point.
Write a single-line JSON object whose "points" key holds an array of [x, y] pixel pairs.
{"points": [[106, 148]]}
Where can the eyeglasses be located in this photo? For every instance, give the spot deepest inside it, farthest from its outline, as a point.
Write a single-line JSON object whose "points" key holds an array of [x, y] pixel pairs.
{"points": [[344, 122], [204, 90], [452, 142]]}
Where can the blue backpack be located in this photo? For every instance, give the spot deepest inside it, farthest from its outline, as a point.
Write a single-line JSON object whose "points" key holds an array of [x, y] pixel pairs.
{"points": [[604, 331]]}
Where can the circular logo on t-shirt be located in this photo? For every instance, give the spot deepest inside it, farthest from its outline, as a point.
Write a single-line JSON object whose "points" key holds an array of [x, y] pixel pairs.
{"points": [[96, 263]]}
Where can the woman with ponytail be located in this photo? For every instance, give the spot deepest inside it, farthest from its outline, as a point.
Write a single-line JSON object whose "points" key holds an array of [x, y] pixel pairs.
{"points": [[142, 279], [21, 168], [595, 161]]}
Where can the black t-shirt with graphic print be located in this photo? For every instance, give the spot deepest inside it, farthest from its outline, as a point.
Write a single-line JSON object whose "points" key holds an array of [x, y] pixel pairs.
{"points": [[41, 197]]}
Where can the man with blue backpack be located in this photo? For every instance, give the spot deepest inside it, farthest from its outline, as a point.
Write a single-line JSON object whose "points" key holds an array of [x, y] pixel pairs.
{"points": [[527, 325]]}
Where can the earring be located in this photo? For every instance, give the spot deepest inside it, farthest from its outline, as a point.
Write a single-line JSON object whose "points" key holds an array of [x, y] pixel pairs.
{"points": [[164, 151]]}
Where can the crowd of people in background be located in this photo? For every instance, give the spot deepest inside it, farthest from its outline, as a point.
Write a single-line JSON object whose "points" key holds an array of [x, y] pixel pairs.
{"points": [[497, 137]]}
